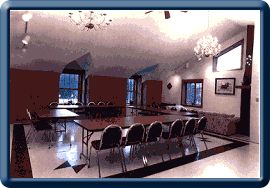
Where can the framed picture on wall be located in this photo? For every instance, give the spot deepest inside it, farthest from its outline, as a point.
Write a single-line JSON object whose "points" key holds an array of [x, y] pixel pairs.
{"points": [[225, 86]]}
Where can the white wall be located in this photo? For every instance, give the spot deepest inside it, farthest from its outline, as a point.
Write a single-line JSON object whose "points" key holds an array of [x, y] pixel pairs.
{"points": [[229, 104]]}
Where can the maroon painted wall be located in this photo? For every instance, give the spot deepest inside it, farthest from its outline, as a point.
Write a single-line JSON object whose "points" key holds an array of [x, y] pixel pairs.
{"points": [[31, 89], [152, 91], [105, 88]]}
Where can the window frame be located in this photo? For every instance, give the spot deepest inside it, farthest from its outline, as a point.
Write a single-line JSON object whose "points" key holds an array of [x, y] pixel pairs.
{"points": [[184, 93], [130, 91], [79, 89], [235, 45]]}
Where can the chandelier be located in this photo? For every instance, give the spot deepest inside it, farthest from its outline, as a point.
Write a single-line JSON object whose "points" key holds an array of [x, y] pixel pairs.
{"points": [[89, 20], [207, 46]]}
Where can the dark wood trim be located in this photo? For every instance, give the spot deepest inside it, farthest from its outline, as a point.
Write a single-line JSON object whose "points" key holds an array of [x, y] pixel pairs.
{"points": [[73, 71], [241, 42], [244, 125], [243, 87]]}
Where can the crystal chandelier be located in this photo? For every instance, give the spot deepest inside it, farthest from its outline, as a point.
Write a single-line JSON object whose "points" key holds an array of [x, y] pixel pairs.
{"points": [[207, 46], [88, 20]]}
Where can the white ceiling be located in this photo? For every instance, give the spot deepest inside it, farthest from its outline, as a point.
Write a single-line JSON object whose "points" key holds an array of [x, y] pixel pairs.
{"points": [[132, 42]]}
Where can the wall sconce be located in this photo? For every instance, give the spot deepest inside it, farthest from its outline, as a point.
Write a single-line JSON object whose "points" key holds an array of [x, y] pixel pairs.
{"points": [[249, 60]]}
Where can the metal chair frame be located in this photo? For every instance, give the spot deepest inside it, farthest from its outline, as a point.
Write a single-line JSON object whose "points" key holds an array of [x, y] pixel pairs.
{"points": [[100, 148]]}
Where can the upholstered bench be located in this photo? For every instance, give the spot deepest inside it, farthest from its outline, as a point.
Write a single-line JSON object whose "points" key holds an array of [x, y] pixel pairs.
{"points": [[219, 123]]}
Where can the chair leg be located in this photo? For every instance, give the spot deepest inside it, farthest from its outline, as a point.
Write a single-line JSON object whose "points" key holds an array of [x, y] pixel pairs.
{"points": [[121, 161], [194, 143], [161, 154], [98, 165], [89, 156], [169, 153]]}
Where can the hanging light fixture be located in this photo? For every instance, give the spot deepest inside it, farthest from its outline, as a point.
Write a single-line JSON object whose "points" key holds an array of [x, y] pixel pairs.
{"points": [[207, 46], [26, 39], [89, 20]]}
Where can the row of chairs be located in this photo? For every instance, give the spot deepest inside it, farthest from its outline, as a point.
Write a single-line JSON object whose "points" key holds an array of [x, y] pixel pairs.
{"points": [[53, 104], [112, 138]]}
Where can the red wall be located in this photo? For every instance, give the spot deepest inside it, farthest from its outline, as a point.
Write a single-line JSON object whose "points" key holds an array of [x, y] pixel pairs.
{"points": [[105, 88], [31, 89]]}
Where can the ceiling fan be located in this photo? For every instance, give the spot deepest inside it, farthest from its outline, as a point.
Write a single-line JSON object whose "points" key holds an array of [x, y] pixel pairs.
{"points": [[166, 13]]}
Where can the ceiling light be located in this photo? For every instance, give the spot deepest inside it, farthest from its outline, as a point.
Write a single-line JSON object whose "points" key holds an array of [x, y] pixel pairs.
{"points": [[207, 46], [26, 17], [26, 40], [88, 20]]}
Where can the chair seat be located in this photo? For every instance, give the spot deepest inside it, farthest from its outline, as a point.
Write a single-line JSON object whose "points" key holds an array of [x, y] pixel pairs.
{"points": [[42, 125], [96, 145], [124, 142]]}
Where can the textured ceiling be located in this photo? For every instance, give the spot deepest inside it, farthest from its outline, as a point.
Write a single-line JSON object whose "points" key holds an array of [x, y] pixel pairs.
{"points": [[132, 42]]}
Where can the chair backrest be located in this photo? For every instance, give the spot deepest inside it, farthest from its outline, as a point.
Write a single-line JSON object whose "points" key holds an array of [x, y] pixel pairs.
{"points": [[53, 104], [101, 103], [91, 103], [202, 124], [135, 134], [111, 137], [109, 103], [79, 103], [154, 132], [189, 127], [176, 129], [29, 114]]}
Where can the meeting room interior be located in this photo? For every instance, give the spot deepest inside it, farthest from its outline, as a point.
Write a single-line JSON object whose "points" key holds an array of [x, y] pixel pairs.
{"points": [[134, 93]]}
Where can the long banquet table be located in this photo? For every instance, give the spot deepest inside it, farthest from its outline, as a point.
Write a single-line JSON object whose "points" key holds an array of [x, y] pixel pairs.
{"points": [[56, 114], [89, 126]]}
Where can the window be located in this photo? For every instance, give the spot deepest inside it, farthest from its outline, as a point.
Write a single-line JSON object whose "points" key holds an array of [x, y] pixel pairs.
{"points": [[69, 88], [230, 58], [192, 92], [130, 91]]}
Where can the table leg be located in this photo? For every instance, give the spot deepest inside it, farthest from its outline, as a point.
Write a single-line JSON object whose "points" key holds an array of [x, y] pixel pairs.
{"points": [[65, 124], [85, 142]]}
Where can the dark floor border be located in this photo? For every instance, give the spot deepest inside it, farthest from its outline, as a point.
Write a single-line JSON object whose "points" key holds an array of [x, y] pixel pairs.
{"points": [[20, 165], [156, 168]]}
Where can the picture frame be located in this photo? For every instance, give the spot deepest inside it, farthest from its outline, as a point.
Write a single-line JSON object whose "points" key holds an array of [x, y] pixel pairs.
{"points": [[225, 86]]}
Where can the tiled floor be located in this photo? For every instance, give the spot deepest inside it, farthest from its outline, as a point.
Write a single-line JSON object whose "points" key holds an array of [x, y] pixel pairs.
{"points": [[63, 161]]}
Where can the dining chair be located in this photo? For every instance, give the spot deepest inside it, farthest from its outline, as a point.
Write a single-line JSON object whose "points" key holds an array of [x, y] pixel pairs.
{"points": [[175, 132], [200, 129], [153, 135], [101, 103], [134, 137], [90, 112], [79, 110], [53, 104], [91, 103], [109, 103], [201, 126], [189, 131], [111, 138], [38, 126], [79, 103]]}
